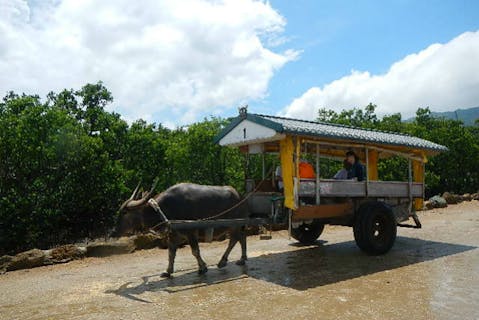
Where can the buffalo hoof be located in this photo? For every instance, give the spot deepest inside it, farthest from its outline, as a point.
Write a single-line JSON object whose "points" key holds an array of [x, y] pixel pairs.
{"points": [[222, 264], [241, 262], [165, 275], [203, 270]]}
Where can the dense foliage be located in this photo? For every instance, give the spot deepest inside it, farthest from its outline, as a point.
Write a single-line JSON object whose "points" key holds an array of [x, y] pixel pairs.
{"points": [[66, 164]]}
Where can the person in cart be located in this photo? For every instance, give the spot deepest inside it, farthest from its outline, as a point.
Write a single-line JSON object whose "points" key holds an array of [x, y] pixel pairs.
{"points": [[342, 174], [356, 170]]}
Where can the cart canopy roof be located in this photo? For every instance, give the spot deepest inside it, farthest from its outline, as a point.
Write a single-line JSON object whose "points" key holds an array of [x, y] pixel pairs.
{"points": [[257, 128]]}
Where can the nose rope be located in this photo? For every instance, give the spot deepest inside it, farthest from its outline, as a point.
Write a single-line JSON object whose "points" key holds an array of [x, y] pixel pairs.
{"points": [[154, 204]]}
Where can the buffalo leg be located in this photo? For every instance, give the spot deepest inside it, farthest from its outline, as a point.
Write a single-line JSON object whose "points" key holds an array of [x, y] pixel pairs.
{"points": [[242, 240], [195, 250], [233, 239], [172, 246]]}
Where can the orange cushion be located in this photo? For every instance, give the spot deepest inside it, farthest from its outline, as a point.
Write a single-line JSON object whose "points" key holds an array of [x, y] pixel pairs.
{"points": [[306, 170]]}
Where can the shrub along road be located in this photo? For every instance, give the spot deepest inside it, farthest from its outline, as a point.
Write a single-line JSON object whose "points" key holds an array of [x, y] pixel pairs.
{"points": [[430, 273]]}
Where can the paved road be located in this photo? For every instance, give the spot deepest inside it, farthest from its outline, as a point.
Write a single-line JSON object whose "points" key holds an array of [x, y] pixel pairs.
{"points": [[432, 273]]}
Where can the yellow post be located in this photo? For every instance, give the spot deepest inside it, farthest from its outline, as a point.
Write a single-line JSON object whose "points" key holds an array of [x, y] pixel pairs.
{"points": [[297, 157], [372, 165], [286, 150], [418, 176], [296, 179]]}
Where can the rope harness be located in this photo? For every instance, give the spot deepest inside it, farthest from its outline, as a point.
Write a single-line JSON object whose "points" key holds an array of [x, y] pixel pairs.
{"points": [[154, 204]]}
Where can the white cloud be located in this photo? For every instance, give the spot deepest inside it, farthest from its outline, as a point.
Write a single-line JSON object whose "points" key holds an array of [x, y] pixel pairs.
{"points": [[163, 60], [442, 76]]}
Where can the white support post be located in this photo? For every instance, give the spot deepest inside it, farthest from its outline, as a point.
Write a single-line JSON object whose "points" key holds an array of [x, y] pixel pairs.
{"points": [[263, 163], [410, 178], [410, 185], [423, 180]]}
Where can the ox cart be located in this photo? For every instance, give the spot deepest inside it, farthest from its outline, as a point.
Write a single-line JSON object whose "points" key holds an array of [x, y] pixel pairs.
{"points": [[372, 207]]}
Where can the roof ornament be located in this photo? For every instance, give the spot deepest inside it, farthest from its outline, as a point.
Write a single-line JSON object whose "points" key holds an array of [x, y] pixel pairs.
{"points": [[243, 111]]}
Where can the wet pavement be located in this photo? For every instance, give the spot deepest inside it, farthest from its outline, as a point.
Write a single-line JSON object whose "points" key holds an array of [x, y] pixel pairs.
{"points": [[431, 273]]}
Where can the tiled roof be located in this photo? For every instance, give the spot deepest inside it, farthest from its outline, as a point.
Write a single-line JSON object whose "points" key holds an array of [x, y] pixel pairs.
{"points": [[334, 131]]}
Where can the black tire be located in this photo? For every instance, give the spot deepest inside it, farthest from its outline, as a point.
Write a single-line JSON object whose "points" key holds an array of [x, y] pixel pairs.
{"points": [[375, 228], [307, 233]]}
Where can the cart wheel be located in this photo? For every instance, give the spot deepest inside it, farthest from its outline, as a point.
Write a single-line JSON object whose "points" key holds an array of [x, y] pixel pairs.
{"points": [[308, 233], [375, 228]]}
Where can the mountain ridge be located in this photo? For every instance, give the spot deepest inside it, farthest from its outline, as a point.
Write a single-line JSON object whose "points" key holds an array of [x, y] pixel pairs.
{"points": [[468, 116]]}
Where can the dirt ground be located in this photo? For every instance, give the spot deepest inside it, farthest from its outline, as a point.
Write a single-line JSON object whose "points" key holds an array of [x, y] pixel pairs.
{"points": [[432, 273]]}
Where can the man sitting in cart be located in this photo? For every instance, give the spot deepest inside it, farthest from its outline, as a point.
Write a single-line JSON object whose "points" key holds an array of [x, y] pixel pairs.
{"points": [[342, 174], [356, 170]]}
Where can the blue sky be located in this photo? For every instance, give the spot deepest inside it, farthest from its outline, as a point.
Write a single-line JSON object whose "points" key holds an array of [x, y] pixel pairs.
{"points": [[176, 62], [338, 36]]}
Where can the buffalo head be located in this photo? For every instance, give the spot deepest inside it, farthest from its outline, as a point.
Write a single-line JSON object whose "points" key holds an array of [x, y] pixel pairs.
{"points": [[135, 214]]}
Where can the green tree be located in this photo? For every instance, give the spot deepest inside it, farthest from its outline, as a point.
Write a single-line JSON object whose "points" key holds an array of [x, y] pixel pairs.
{"points": [[192, 156], [57, 182]]}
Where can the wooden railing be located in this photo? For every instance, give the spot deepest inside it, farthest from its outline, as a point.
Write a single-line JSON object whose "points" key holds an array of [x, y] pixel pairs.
{"points": [[351, 188]]}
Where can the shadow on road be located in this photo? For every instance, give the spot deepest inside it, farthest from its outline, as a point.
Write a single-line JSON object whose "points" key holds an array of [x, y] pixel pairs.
{"points": [[304, 268]]}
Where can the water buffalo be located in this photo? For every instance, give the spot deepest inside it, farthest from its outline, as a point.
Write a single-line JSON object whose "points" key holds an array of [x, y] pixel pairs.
{"points": [[187, 201]]}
